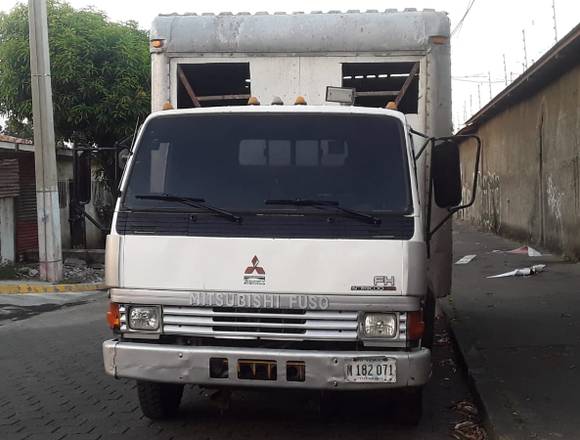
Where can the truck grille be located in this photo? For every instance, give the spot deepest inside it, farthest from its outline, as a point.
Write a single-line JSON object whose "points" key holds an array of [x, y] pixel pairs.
{"points": [[271, 324]]}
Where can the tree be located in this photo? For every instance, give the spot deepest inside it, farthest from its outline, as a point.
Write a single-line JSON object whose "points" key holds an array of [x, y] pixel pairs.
{"points": [[100, 74]]}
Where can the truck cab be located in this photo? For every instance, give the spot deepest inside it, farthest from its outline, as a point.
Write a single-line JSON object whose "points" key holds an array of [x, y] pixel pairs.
{"points": [[281, 246]]}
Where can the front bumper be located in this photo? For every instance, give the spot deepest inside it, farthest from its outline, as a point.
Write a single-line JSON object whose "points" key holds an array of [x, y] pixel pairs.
{"points": [[186, 364]]}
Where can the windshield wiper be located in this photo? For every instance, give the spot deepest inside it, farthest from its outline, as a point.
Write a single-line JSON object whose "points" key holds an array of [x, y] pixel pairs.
{"points": [[193, 202], [324, 204]]}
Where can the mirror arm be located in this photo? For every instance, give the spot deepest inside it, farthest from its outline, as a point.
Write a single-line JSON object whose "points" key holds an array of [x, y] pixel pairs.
{"points": [[96, 223], [122, 143], [423, 148], [455, 209], [441, 223], [430, 201], [427, 142], [418, 133]]}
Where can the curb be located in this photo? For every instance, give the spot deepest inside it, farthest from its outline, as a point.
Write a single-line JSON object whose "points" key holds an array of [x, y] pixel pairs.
{"points": [[20, 288], [471, 380]]}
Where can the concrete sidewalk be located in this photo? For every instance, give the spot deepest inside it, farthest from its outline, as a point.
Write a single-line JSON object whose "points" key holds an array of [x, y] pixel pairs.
{"points": [[519, 337]]}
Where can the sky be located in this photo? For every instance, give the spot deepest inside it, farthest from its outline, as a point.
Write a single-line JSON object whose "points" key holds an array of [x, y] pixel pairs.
{"points": [[491, 30]]}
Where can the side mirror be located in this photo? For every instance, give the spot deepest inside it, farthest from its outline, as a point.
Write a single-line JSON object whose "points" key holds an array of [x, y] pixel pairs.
{"points": [[446, 177], [446, 172], [82, 176]]}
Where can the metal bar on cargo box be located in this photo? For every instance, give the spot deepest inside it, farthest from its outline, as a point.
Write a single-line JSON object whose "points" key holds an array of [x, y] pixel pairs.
{"points": [[378, 93], [407, 83], [188, 87], [222, 97]]}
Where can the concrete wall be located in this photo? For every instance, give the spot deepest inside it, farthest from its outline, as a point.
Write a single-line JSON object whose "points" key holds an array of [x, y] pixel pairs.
{"points": [[529, 185]]}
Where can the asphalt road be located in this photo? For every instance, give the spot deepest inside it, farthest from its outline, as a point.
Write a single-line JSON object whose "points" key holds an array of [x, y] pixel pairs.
{"points": [[52, 386]]}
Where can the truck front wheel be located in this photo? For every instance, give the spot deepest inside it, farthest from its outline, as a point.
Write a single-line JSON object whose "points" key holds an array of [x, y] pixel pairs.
{"points": [[159, 400]]}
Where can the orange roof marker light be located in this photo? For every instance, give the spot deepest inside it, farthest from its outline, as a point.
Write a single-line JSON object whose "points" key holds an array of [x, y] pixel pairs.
{"points": [[276, 100], [391, 105], [253, 101], [167, 105], [300, 101], [157, 43]]}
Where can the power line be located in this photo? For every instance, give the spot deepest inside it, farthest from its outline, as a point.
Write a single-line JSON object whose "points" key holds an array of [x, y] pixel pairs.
{"points": [[484, 81], [505, 70], [460, 22], [474, 75], [525, 49], [555, 21]]}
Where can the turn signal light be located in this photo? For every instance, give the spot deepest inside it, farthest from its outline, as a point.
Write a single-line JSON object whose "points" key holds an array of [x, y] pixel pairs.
{"points": [[113, 318], [157, 44], [415, 325], [391, 105], [167, 105]]}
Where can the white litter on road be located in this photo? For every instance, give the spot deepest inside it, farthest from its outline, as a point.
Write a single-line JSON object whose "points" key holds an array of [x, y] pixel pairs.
{"points": [[465, 259], [530, 251], [523, 272]]}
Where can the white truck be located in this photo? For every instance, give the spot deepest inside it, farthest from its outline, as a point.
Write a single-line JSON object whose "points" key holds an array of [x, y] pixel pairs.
{"points": [[285, 245]]}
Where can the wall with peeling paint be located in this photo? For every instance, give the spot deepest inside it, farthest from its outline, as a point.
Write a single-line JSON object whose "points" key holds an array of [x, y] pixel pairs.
{"points": [[529, 181]]}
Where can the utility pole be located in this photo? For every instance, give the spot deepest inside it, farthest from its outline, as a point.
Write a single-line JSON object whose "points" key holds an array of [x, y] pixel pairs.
{"points": [[555, 21], [505, 71], [48, 214], [525, 50]]}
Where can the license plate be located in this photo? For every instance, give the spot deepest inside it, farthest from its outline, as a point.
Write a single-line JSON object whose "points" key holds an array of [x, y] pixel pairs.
{"points": [[371, 370]]}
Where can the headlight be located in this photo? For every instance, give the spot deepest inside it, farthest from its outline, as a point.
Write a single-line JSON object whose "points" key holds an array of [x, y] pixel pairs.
{"points": [[144, 318], [380, 325]]}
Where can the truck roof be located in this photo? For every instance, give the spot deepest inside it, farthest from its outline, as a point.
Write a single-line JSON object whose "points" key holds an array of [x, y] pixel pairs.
{"points": [[336, 109], [299, 33]]}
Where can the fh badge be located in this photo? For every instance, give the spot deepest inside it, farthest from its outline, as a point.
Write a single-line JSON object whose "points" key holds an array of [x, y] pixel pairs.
{"points": [[380, 282]]}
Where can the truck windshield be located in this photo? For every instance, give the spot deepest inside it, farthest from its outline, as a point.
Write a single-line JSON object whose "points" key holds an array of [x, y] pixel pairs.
{"points": [[238, 161]]}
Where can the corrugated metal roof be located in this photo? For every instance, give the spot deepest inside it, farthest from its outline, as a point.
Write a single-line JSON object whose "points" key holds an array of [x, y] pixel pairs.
{"points": [[29, 148], [315, 32], [556, 61]]}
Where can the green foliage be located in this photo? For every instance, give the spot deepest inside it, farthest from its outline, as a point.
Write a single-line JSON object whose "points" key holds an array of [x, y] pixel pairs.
{"points": [[100, 73]]}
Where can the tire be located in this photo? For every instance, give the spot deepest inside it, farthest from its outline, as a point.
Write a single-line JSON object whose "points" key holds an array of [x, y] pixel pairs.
{"points": [[429, 319], [411, 406], [159, 400]]}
